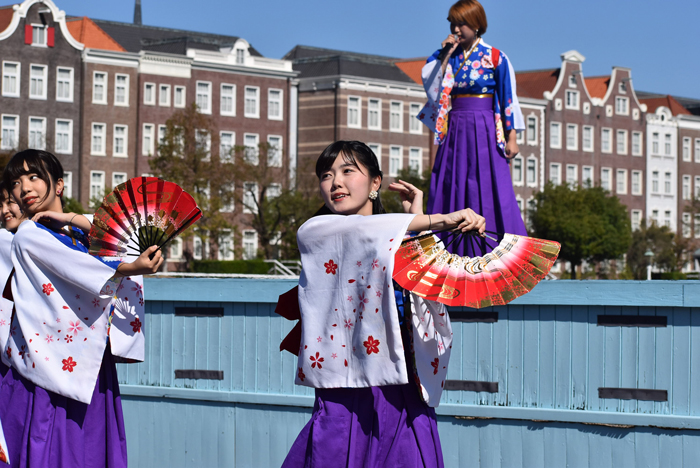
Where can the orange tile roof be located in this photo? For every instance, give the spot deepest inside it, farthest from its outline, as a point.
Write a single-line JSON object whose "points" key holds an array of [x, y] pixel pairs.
{"points": [[597, 86], [534, 83], [5, 17], [412, 68], [86, 31], [666, 101]]}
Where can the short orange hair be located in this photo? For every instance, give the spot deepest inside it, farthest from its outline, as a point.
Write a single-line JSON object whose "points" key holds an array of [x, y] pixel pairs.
{"points": [[469, 12]]}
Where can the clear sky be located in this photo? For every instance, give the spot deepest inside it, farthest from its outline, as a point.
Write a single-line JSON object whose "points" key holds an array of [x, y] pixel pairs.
{"points": [[658, 40]]}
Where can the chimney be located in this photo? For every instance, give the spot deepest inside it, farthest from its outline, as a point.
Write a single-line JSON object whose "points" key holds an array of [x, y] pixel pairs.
{"points": [[137, 12]]}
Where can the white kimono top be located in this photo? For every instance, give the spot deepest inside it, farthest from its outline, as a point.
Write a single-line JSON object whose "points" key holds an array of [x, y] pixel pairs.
{"points": [[60, 326]]}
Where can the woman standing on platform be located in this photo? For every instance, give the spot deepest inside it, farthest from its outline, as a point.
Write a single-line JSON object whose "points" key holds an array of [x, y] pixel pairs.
{"points": [[478, 135]]}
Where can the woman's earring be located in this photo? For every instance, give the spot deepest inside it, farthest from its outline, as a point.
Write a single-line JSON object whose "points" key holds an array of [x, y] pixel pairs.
{"points": [[373, 195], [59, 192]]}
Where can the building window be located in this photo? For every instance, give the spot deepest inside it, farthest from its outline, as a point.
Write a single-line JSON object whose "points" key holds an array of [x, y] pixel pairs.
{"points": [[39, 35], [697, 150], [517, 170], [228, 202], [118, 178], [175, 250], [396, 116], [667, 218], [636, 218], [37, 133], [64, 84], [572, 101], [37, 81], [240, 56], [97, 185], [686, 149], [667, 183], [161, 134], [554, 173], [68, 184], [274, 154], [520, 138], [667, 144], [415, 160], [274, 104], [636, 143], [697, 187], [203, 98], [98, 139], [605, 178], [655, 143], [374, 114], [622, 105], [395, 160], [531, 172], [655, 182], [251, 141], [555, 135], [636, 182], [10, 79], [572, 137], [572, 174], [621, 179], [273, 191], [10, 132], [252, 102], [64, 136], [377, 150], [149, 94], [572, 81], [148, 141], [99, 88], [226, 142], [532, 130], [587, 139], [696, 226], [605, 143], [227, 106], [414, 125], [686, 225], [622, 142], [250, 244], [120, 139], [354, 104], [121, 90], [655, 216], [179, 100], [164, 95], [587, 176], [686, 187], [250, 197]]}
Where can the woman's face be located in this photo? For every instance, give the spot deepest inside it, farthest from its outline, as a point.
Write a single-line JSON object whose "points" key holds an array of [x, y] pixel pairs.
{"points": [[11, 214], [465, 34], [345, 188], [33, 195]]}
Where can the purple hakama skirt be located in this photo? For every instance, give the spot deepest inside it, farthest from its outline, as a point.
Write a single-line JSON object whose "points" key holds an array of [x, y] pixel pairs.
{"points": [[471, 172], [47, 430]]}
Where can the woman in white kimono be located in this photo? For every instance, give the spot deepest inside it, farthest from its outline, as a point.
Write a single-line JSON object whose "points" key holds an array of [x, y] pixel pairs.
{"points": [[377, 365], [59, 403]]}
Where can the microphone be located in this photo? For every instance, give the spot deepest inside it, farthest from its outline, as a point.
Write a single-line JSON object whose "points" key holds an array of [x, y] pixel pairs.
{"points": [[445, 50]]}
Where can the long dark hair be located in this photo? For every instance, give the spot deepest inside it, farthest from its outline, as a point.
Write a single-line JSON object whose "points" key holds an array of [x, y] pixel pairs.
{"points": [[42, 163], [356, 153]]}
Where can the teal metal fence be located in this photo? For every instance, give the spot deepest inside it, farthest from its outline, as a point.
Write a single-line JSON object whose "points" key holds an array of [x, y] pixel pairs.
{"points": [[576, 373]]}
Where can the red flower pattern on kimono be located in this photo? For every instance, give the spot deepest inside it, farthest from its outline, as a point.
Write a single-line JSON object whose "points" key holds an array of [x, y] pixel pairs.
{"points": [[372, 345], [95, 302], [47, 288], [301, 374], [75, 327], [9, 353], [316, 361], [136, 325], [331, 267], [69, 364], [69, 338], [435, 364], [363, 300]]}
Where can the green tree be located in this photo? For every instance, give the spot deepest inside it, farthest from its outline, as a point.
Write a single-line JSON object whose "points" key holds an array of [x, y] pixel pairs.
{"points": [[657, 239], [590, 224]]}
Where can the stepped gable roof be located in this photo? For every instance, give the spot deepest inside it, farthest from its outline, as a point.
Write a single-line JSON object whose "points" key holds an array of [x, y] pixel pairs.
{"points": [[85, 30], [137, 37], [534, 83], [412, 68], [597, 86], [317, 62], [6, 13], [654, 101]]}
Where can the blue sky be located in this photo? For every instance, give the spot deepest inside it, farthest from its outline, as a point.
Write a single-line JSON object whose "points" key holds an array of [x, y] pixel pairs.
{"points": [[659, 41]]}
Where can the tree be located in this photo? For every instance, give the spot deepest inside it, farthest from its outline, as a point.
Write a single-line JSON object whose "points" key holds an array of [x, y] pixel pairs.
{"points": [[590, 224], [184, 156], [657, 239]]}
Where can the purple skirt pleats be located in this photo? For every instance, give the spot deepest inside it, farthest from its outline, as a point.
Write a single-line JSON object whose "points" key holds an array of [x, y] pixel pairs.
{"points": [[471, 172], [46, 430], [375, 427]]}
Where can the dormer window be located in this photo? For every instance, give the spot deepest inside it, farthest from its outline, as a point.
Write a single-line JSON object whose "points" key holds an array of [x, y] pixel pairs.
{"points": [[572, 81], [39, 35], [622, 87], [240, 56]]}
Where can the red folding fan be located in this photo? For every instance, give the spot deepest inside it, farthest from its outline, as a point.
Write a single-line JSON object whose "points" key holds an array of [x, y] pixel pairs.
{"points": [[513, 268], [139, 213]]}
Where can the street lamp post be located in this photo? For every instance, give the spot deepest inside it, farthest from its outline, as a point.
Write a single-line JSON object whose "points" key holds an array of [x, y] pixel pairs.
{"points": [[649, 255]]}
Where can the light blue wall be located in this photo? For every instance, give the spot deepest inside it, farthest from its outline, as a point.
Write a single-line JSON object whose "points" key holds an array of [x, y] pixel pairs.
{"points": [[546, 352]]}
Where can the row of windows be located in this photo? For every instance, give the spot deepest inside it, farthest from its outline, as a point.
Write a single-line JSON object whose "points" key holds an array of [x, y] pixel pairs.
{"points": [[686, 225], [200, 247], [588, 139], [687, 193], [374, 115], [572, 101], [10, 132], [396, 157], [38, 81], [686, 149], [120, 139], [98, 181]]}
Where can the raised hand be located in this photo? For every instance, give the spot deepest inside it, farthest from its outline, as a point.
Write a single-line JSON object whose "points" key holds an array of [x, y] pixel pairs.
{"points": [[411, 196]]}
